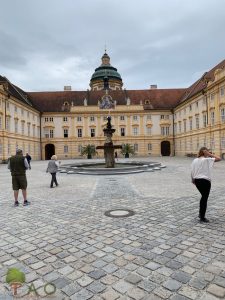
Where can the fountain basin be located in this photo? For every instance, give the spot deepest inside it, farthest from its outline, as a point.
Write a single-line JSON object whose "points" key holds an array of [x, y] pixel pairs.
{"points": [[97, 168]]}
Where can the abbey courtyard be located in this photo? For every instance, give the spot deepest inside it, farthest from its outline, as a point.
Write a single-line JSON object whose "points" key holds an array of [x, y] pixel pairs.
{"points": [[155, 121]]}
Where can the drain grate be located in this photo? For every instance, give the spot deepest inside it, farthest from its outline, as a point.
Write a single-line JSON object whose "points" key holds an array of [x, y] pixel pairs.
{"points": [[119, 213]]}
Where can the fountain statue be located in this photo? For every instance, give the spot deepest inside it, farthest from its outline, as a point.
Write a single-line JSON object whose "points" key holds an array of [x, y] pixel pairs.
{"points": [[108, 145]]}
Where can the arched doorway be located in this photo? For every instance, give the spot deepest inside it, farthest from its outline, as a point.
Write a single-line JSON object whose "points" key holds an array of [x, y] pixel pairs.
{"points": [[49, 151], [165, 148]]}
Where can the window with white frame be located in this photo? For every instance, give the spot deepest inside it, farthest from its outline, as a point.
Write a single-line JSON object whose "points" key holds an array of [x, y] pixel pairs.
{"points": [[196, 104], [204, 120], [165, 130], [190, 107], [92, 132], [222, 114], [28, 129], [148, 130], [79, 119], [222, 91], [104, 118], [179, 127], [33, 130], [79, 148], [122, 118], [65, 119], [190, 124], [79, 132], [8, 123], [149, 147], [51, 133], [175, 128], [22, 127], [16, 125], [197, 122], [136, 147], [135, 118], [135, 130], [185, 126], [122, 131], [66, 149], [149, 117], [92, 118], [65, 133], [222, 141], [212, 117]]}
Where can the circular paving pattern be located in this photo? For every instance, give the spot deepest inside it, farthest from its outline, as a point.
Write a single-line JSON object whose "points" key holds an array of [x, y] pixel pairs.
{"points": [[119, 213]]}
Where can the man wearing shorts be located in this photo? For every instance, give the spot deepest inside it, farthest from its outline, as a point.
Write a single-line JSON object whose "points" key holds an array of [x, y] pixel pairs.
{"points": [[18, 165]]}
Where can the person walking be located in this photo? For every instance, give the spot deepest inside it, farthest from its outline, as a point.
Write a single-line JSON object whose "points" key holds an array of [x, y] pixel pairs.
{"points": [[201, 176], [28, 157], [52, 168], [18, 165], [116, 156]]}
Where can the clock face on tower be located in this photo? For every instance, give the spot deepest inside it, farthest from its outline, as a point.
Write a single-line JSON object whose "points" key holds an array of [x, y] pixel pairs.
{"points": [[106, 102]]}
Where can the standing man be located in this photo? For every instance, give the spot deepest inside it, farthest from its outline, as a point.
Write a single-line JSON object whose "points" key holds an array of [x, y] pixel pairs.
{"points": [[28, 157], [201, 176], [18, 165]]}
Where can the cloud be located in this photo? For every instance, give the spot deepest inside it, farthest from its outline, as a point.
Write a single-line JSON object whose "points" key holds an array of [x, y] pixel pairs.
{"points": [[48, 44]]}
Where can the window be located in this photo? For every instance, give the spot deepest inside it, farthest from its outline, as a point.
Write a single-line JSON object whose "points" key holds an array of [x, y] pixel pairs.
{"points": [[136, 147], [148, 130], [222, 114], [204, 120], [122, 118], [47, 119], [22, 127], [92, 118], [105, 118], [162, 117], [135, 131], [22, 112], [15, 108], [8, 123], [51, 133], [212, 116], [7, 105], [179, 127], [79, 132], [135, 118], [16, 126], [65, 119], [190, 124], [65, 133], [149, 117], [79, 148], [79, 119], [222, 91], [33, 130], [190, 107], [196, 104], [185, 126], [122, 131], [0, 122], [222, 142], [66, 149], [175, 128], [92, 132], [165, 130], [28, 114], [197, 122], [149, 147], [28, 129]]}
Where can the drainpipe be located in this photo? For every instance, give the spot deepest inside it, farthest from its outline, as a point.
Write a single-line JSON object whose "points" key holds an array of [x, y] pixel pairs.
{"points": [[40, 136], [174, 151]]}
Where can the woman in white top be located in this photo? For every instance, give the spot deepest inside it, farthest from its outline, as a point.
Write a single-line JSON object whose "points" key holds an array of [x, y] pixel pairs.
{"points": [[201, 177]]}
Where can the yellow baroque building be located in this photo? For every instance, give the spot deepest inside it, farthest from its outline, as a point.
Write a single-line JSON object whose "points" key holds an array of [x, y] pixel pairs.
{"points": [[155, 121]]}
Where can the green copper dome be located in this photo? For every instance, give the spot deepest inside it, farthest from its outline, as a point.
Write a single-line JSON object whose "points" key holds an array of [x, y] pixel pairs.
{"points": [[105, 70]]}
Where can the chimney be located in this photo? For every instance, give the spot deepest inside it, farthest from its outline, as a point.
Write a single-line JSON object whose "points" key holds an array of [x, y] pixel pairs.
{"points": [[67, 88], [153, 86]]}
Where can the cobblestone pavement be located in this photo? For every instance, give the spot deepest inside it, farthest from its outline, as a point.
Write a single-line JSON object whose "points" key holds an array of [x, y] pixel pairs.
{"points": [[161, 252]]}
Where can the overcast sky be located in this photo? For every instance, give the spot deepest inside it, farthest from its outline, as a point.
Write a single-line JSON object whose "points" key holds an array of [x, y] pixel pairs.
{"points": [[47, 44]]}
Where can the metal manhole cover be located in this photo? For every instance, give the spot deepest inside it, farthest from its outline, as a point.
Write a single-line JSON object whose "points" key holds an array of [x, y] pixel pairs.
{"points": [[119, 213]]}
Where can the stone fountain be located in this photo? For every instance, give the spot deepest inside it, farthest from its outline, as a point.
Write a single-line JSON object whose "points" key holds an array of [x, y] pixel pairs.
{"points": [[108, 145]]}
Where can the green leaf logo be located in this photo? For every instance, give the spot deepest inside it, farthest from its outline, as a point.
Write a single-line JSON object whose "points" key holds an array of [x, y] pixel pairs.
{"points": [[15, 278]]}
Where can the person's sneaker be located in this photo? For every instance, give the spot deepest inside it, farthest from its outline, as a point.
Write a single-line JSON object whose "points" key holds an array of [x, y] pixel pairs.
{"points": [[204, 220], [16, 203], [25, 203]]}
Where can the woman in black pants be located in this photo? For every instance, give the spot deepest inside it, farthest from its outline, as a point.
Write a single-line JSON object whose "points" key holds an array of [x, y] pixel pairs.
{"points": [[201, 177], [52, 168]]}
